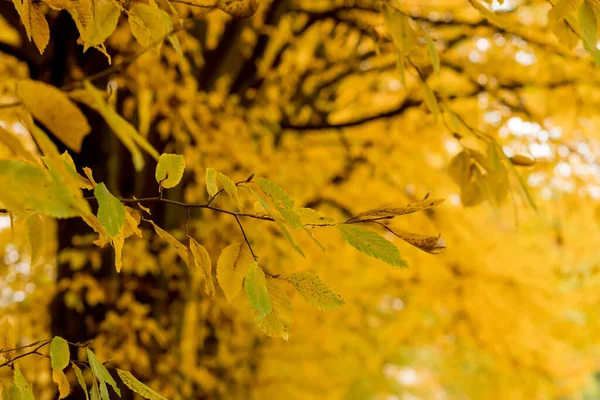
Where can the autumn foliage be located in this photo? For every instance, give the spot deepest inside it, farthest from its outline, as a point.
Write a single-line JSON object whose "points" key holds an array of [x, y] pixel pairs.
{"points": [[329, 199]]}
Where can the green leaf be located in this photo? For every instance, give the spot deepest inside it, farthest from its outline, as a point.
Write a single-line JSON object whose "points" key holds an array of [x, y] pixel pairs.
{"points": [[94, 391], [34, 227], [315, 291], [111, 212], [35, 189], [283, 203], [278, 322], [232, 266], [80, 379], [104, 377], [138, 387], [211, 182], [283, 228], [230, 187], [169, 170], [256, 289], [23, 387], [59, 353], [370, 243]]}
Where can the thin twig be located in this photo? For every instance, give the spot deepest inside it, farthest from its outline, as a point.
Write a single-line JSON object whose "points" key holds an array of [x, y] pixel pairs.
{"points": [[24, 347], [246, 238], [34, 351]]}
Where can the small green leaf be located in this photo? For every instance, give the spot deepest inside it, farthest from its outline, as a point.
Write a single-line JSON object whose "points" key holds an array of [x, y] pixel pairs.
{"points": [[104, 377], [59, 353], [370, 243], [23, 387], [132, 383], [315, 291], [169, 170], [111, 212], [211, 182], [256, 289], [283, 203], [80, 379]]}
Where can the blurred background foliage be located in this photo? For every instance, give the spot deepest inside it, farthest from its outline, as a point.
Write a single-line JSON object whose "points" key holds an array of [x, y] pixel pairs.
{"points": [[308, 94]]}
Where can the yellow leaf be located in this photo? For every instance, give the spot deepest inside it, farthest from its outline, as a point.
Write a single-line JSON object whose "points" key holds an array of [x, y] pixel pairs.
{"points": [[315, 291], [169, 170], [96, 20], [565, 34], [429, 244], [35, 23], [132, 221], [279, 321], [15, 145], [182, 251], [145, 97], [7, 339], [562, 9], [239, 8], [522, 159], [82, 182], [123, 129], [8, 34], [88, 173], [230, 188], [35, 236], [211, 182], [202, 262], [233, 265], [155, 24], [118, 242], [431, 100], [53, 108], [59, 377], [402, 34], [433, 53]]}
